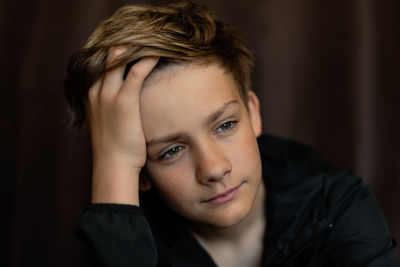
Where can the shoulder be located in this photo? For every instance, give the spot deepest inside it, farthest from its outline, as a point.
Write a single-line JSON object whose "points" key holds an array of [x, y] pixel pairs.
{"points": [[289, 164], [285, 156], [295, 171], [312, 204]]}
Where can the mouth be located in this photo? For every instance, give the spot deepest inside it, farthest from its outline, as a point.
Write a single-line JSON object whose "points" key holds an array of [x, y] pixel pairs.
{"points": [[224, 196]]}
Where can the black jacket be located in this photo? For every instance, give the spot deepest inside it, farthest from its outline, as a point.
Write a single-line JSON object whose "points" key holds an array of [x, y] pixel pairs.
{"points": [[317, 215]]}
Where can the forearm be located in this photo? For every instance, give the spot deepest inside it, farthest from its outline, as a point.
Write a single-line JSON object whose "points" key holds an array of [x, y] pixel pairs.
{"points": [[117, 235], [115, 182]]}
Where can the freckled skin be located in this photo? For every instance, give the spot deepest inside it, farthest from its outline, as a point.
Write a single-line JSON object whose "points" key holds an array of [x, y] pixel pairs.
{"points": [[212, 158]]}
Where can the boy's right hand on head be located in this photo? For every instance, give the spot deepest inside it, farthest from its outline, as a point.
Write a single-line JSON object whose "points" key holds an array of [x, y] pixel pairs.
{"points": [[118, 142]]}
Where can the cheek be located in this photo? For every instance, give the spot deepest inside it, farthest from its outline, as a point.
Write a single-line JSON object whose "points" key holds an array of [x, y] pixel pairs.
{"points": [[172, 182], [247, 142], [246, 154]]}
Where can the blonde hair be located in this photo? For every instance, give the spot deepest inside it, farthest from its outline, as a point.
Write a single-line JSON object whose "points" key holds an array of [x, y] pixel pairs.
{"points": [[177, 32]]}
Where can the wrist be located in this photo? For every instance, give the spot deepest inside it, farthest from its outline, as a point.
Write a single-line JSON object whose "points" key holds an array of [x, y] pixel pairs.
{"points": [[115, 181]]}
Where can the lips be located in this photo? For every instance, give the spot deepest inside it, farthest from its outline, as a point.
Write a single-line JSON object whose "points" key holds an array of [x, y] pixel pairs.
{"points": [[224, 197]]}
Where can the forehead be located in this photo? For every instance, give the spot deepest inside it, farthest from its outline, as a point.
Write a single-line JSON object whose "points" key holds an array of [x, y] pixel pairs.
{"points": [[186, 79], [182, 95]]}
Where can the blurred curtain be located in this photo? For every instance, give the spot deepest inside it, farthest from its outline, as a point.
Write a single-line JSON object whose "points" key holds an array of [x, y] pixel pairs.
{"points": [[326, 71]]}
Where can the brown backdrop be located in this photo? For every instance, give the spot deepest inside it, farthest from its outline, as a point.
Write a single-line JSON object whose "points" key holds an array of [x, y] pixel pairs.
{"points": [[327, 74]]}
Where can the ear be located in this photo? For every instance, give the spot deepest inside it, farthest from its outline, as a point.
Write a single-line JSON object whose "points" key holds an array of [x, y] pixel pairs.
{"points": [[144, 182], [254, 112]]}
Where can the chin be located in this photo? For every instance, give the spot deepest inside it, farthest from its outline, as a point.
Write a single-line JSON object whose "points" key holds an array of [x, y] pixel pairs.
{"points": [[230, 217]]}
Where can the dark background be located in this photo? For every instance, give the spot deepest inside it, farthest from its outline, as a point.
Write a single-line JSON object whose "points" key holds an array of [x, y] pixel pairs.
{"points": [[327, 73]]}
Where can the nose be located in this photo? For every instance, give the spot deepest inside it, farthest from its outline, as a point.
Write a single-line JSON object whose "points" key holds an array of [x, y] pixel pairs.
{"points": [[212, 164]]}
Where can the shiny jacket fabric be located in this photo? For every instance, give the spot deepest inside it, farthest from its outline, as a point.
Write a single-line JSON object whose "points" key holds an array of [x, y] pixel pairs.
{"points": [[317, 215]]}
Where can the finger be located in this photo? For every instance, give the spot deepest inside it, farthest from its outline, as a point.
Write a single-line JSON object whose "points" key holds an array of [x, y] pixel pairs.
{"points": [[93, 93], [113, 79], [137, 74], [90, 103]]}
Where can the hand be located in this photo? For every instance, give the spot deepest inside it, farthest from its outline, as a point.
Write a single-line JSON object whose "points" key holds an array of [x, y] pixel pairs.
{"points": [[118, 142]]}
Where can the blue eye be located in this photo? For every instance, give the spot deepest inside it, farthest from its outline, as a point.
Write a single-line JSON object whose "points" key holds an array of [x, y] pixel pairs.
{"points": [[226, 127], [172, 152]]}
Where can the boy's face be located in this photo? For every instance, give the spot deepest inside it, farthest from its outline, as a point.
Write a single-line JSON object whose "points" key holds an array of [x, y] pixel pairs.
{"points": [[202, 153]]}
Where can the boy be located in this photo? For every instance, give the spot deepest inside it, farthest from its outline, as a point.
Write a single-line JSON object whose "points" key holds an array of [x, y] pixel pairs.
{"points": [[180, 124]]}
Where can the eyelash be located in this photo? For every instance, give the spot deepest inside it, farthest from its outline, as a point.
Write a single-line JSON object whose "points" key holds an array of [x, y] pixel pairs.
{"points": [[165, 155], [232, 125], [176, 149]]}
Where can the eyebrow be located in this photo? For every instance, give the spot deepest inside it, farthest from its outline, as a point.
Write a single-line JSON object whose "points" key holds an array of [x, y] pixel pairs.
{"points": [[210, 118], [215, 115]]}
